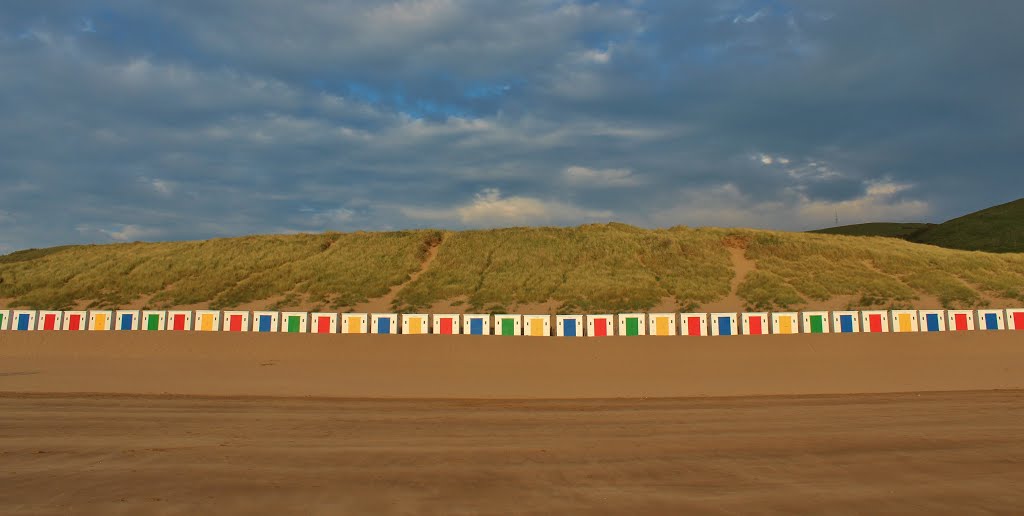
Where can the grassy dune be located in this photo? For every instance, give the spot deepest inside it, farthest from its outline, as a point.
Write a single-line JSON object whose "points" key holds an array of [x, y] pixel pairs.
{"points": [[593, 268]]}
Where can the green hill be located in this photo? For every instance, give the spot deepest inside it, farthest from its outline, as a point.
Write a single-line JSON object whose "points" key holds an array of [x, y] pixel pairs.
{"points": [[882, 229], [999, 229], [592, 268]]}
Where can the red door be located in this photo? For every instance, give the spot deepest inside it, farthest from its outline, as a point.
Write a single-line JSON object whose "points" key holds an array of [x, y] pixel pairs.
{"points": [[601, 327], [693, 326], [75, 322], [323, 324], [235, 323], [49, 321], [446, 326], [753, 325], [1018, 320], [179, 322], [875, 322], [961, 321]]}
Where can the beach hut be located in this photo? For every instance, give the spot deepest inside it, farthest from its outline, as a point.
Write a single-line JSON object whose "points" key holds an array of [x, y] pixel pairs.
{"points": [[265, 322], [569, 325], [632, 325], [153, 320], [846, 322], [207, 320], [723, 324], [785, 323], [662, 325], [384, 324], [294, 322], [100, 320], [874, 321], [5, 319], [126, 320], [991, 320], [508, 324], [931, 320], [903, 321], [600, 325], [1014, 319], [327, 322], [415, 324], [960, 320], [48, 320], [476, 324], [693, 325], [75, 320], [537, 325], [23, 320], [179, 320], [355, 323], [235, 321], [445, 324], [755, 323], [815, 322]]}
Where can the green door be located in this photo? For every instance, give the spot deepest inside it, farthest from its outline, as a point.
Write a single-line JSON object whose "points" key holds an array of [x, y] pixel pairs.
{"points": [[293, 324], [153, 322], [632, 326], [508, 327], [816, 324], [1, 320]]}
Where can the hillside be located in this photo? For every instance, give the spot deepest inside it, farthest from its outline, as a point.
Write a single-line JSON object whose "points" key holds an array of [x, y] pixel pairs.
{"points": [[593, 268], [999, 229], [882, 229]]}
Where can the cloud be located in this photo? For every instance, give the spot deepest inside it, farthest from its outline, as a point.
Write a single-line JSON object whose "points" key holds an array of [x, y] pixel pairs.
{"points": [[726, 205], [242, 113], [588, 177], [489, 208]]}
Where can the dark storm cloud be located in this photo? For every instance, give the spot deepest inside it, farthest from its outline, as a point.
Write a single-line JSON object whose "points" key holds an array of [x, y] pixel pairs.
{"points": [[156, 120]]}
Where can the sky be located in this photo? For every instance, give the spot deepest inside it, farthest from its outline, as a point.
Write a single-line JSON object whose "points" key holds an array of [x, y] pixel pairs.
{"points": [[153, 120]]}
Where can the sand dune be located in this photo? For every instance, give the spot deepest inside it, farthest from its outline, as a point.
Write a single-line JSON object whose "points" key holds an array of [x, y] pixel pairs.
{"points": [[430, 366]]}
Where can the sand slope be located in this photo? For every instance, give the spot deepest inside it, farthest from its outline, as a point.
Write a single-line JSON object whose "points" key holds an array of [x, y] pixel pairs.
{"points": [[428, 366]]}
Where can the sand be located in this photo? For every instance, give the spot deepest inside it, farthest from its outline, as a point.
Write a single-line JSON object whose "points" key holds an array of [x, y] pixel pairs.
{"points": [[165, 423], [488, 367]]}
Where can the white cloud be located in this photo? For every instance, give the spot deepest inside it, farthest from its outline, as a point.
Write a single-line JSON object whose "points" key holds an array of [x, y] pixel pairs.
{"points": [[489, 209], [131, 232], [333, 218], [726, 205], [584, 176]]}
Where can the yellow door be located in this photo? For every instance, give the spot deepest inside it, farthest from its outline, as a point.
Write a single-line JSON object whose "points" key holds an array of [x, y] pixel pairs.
{"points": [[785, 324], [101, 321], [355, 324], [536, 327], [904, 321], [661, 326], [206, 323], [415, 326]]}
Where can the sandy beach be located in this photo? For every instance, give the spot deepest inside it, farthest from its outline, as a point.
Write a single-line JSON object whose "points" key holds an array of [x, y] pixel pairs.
{"points": [[162, 423]]}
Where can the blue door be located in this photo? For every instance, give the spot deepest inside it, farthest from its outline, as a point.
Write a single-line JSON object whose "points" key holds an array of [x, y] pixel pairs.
{"points": [[126, 322], [932, 322], [991, 322], [724, 326], [383, 325], [265, 323], [23, 322], [569, 327], [846, 323], [476, 326]]}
